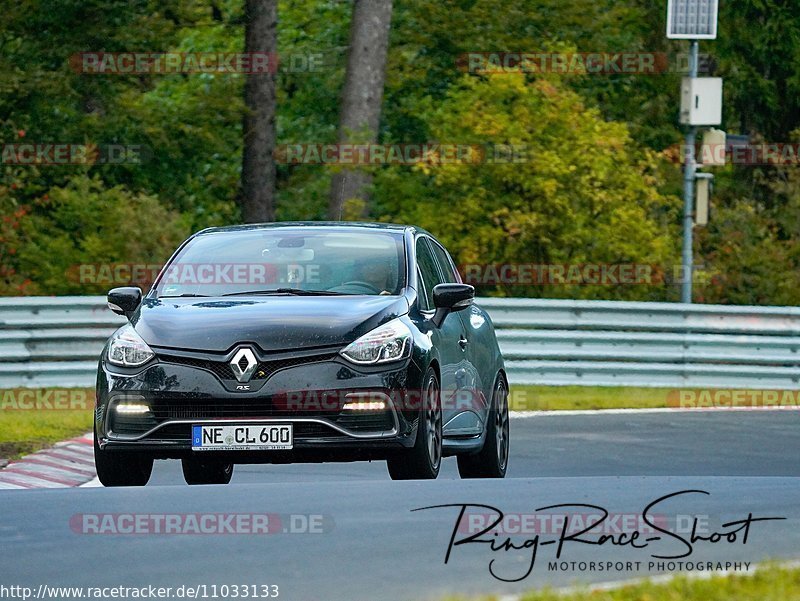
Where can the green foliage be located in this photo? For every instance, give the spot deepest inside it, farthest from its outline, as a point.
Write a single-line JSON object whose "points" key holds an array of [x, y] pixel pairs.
{"points": [[752, 243], [430, 36], [308, 101], [86, 223], [595, 190], [11, 280], [583, 194], [758, 51]]}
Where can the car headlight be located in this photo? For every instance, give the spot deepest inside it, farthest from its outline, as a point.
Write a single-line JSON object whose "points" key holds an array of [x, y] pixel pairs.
{"points": [[127, 348], [389, 342]]}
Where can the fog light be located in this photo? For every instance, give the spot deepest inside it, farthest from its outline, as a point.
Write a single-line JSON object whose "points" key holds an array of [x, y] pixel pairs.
{"points": [[365, 405], [132, 408]]}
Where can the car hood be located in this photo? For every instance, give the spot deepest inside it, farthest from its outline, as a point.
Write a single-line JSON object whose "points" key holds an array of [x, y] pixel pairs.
{"points": [[274, 323]]}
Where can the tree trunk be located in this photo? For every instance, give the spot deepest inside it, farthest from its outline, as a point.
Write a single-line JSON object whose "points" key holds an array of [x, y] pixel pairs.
{"points": [[258, 164], [362, 98]]}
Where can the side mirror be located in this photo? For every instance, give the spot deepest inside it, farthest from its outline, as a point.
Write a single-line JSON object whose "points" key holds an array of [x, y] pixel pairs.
{"points": [[124, 301], [451, 297]]}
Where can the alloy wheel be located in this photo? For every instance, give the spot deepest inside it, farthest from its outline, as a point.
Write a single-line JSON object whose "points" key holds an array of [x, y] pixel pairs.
{"points": [[433, 423]]}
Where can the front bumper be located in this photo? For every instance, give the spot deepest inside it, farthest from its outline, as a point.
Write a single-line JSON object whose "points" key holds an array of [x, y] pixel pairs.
{"points": [[307, 389]]}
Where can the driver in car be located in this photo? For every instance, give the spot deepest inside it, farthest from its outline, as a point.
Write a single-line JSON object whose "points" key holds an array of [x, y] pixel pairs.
{"points": [[376, 275]]}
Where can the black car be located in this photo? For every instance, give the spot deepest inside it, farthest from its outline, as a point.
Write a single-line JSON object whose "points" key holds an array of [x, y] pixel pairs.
{"points": [[302, 342]]}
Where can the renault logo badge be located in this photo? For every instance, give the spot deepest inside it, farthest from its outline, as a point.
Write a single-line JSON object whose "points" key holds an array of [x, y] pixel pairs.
{"points": [[243, 364]]}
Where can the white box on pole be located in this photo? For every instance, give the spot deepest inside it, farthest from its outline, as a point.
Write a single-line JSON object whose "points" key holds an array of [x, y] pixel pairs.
{"points": [[701, 101]]}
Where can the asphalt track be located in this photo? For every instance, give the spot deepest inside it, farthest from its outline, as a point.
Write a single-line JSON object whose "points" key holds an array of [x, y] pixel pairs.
{"points": [[374, 547]]}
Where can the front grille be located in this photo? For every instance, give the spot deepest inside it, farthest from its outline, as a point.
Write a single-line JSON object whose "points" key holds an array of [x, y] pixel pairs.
{"points": [[265, 369], [165, 410], [222, 370], [183, 432], [255, 408]]}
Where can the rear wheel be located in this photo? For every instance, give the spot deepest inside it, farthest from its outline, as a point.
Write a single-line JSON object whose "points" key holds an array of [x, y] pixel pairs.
{"points": [[196, 471], [423, 460], [121, 468], [492, 460]]}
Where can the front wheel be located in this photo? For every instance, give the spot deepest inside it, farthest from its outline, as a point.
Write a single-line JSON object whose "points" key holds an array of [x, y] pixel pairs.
{"points": [[492, 460], [121, 468], [206, 472], [422, 461]]}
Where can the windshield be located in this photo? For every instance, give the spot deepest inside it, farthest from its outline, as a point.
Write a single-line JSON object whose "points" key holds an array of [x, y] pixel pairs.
{"points": [[287, 261]]}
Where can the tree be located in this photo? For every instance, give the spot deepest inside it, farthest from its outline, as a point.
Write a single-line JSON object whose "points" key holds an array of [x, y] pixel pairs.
{"points": [[61, 240], [573, 189], [258, 164], [362, 97], [192, 126]]}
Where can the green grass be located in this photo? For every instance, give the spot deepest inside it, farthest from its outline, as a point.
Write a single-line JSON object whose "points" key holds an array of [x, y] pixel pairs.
{"points": [[768, 584], [551, 398], [28, 423]]}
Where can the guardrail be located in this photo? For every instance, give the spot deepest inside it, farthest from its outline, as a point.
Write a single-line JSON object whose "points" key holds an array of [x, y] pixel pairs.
{"points": [[55, 341], [609, 343]]}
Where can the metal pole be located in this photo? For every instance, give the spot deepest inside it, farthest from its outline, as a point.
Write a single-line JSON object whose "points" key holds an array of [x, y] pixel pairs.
{"points": [[688, 193]]}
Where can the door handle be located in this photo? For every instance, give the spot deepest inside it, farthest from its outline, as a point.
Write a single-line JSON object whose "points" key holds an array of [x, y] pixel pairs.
{"points": [[463, 342]]}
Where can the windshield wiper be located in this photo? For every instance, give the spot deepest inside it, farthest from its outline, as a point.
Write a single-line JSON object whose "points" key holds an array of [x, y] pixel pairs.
{"points": [[293, 291], [187, 295]]}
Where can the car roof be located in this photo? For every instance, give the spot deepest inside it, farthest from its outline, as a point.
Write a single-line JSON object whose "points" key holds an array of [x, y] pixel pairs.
{"points": [[344, 225]]}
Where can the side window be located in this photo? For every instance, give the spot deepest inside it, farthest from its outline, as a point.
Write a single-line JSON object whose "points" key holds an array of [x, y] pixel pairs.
{"points": [[446, 265], [429, 273], [422, 292]]}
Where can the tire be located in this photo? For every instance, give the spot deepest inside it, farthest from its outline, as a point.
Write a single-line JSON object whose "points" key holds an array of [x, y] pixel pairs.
{"points": [[492, 460], [196, 471], [121, 468], [423, 460]]}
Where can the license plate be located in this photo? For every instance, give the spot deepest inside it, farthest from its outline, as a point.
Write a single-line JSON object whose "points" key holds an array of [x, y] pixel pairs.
{"points": [[238, 437]]}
